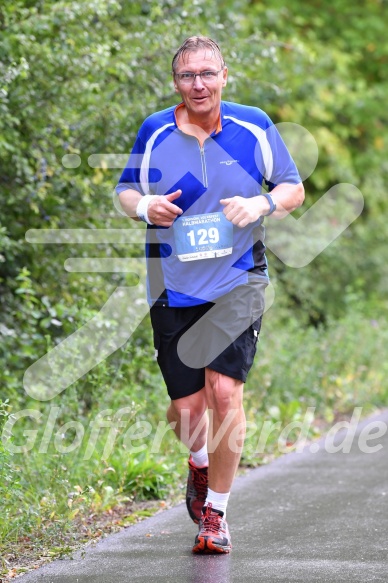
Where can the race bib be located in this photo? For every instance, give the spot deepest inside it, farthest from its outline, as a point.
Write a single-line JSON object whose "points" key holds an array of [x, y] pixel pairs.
{"points": [[203, 236]]}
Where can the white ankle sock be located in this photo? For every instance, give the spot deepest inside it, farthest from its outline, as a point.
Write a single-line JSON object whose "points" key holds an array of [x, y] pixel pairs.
{"points": [[217, 500], [200, 457]]}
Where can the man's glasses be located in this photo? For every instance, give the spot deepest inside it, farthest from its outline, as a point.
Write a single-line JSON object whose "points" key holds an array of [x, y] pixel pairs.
{"points": [[206, 77]]}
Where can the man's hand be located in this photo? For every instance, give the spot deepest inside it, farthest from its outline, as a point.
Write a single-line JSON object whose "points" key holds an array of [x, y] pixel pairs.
{"points": [[242, 211], [162, 211]]}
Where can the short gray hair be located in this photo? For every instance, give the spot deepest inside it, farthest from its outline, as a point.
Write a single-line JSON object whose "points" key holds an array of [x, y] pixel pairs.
{"points": [[197, 43]]}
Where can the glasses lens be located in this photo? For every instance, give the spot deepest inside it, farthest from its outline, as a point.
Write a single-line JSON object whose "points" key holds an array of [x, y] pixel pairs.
{"points": [[209, 75], [206, 76], [186, 77]]}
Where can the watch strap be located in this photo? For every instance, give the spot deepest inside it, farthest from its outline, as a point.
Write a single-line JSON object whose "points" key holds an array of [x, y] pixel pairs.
{"points": [[272, 203]]}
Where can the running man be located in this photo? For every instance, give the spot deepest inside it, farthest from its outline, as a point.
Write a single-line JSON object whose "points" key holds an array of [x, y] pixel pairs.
{"points": [[203, 174]]}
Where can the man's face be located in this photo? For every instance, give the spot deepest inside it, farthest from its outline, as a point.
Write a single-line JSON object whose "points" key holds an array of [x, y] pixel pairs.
{"points": [[199, 97]]}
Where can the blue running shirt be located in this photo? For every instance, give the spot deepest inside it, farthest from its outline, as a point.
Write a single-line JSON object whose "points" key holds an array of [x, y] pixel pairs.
{"points": [[202, 258]]}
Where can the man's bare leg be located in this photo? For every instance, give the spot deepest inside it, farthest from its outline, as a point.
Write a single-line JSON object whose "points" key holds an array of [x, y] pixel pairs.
{"points": [[188, 413], [224, 397], [225, 441], [189, 420]]}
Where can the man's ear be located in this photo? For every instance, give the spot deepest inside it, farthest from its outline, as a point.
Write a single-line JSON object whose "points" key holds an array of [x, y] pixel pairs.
{"points": [[174, 83], [224, 76]]}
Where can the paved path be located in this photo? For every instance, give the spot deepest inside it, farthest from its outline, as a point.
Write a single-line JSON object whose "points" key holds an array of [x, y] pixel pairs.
{"points": [[307, 517]]}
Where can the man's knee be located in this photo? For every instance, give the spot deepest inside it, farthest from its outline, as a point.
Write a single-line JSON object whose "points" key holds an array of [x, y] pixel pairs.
{"points": [[190, 409], [224, 394]]}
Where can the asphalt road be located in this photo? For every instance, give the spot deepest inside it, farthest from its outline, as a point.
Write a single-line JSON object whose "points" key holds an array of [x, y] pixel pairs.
{"points": [[308, 517]]}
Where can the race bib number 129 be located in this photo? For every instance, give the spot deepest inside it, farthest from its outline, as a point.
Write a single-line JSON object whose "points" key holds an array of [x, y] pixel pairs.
{"points": [[203, 236]]}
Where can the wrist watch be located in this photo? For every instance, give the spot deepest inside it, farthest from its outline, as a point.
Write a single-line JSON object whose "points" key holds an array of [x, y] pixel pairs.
{"points": [[272, 203]]}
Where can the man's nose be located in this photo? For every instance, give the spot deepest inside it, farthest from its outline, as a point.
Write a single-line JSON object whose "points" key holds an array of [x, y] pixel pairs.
{"points": [[198, 83]]}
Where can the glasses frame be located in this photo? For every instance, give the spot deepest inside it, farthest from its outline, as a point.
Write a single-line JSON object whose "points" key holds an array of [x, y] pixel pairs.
{"points": [[195, 75]]}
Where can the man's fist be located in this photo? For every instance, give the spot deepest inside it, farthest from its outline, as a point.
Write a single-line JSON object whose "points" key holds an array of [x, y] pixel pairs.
{"points": [[241, 211], [162, 211]]}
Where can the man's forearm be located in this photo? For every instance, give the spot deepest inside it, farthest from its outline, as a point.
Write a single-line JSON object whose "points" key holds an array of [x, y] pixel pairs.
{"points": [[287, 197], [129, 199]]}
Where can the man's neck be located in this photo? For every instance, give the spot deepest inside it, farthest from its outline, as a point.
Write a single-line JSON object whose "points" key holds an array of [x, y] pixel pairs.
{"points": [[197, 126]]}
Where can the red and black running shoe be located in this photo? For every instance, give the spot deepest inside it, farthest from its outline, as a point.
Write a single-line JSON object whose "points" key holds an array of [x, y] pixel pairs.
{"points": [[213, 536], [196, 491]]}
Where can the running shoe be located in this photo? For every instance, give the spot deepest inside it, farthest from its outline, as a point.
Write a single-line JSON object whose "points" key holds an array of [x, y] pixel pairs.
{"points": [[213, 536], [196, 491]]}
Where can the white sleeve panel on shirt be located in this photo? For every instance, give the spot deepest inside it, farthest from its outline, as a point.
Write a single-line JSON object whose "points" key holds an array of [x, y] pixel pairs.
{"points": [[261, 137], [145, 165]]}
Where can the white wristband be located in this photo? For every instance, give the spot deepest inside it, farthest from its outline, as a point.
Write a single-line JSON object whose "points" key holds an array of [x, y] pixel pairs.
{"points": [[142, 208]]}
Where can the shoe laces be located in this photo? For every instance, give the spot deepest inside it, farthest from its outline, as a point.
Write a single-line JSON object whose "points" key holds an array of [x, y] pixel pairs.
{"points": [[211, 520]]}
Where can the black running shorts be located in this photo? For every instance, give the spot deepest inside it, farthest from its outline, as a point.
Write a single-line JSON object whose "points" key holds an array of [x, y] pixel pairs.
{"points": [[220, 335]]}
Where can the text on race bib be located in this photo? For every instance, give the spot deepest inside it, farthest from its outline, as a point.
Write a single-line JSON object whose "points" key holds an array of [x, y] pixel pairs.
{"points": [[203, 236]]}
